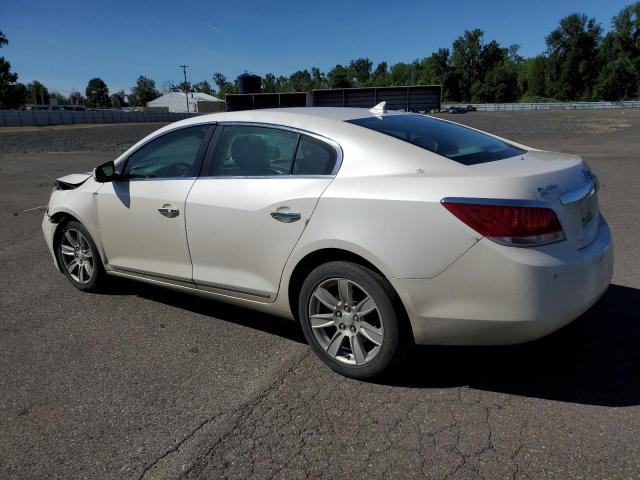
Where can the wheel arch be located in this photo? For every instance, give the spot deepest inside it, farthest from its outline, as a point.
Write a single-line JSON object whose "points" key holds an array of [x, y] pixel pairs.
{"points": [[60, 219], [324, 255]]}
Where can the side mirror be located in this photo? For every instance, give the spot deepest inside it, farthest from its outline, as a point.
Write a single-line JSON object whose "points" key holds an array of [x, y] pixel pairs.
{"points": [[105, 173]]}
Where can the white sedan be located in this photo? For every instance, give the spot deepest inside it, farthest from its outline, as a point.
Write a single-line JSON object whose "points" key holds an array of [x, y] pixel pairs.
{"points": [[373, 229]]}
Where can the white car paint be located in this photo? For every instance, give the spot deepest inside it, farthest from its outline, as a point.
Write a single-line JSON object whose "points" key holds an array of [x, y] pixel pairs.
{"points": [[134, 236], [383, 205]]}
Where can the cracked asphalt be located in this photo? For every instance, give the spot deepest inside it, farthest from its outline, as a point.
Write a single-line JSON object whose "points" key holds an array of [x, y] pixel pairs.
{"points": [[141, 383]]}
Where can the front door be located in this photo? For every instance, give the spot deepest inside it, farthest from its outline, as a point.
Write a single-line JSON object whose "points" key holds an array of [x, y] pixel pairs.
{"points": [[142, 215], [244, 219]]}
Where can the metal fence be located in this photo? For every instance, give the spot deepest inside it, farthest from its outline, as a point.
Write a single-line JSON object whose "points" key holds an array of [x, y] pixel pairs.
{"points": [[494, 107], [15, 118]]}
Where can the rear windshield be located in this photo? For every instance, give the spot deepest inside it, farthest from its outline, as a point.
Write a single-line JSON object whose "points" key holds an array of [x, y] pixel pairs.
{"points": [[455, 142]]}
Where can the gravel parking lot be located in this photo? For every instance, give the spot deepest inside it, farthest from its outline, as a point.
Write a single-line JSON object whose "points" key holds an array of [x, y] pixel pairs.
{"points": [[151, 384]]}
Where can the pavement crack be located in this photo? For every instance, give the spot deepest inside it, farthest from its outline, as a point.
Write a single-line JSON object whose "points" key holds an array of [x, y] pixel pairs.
{"points": [[237, 415]]}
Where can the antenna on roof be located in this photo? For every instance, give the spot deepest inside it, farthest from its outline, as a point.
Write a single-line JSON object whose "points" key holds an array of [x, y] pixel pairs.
{"points": [[379, 109]]}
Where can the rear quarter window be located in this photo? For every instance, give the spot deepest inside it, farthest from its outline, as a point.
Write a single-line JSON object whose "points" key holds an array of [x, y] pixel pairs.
{"points": [[455, 142], [314, 157]]}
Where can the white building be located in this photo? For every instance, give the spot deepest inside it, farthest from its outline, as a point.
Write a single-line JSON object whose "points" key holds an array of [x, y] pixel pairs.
{"points": [[198, 102]]}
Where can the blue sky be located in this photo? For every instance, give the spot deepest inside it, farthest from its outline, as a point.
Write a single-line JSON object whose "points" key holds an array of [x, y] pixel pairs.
{"points": [[65, 43]]}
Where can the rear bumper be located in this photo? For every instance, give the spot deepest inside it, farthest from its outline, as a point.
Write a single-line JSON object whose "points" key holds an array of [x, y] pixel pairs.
{"points": [[497, 295]]}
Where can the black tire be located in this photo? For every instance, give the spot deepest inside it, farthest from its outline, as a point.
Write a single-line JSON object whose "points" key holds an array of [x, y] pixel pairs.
{"points": [[98, 275], [396, 338]]}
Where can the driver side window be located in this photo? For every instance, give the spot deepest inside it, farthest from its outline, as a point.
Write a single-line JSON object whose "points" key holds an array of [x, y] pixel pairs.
{"points": [[168, 156]]}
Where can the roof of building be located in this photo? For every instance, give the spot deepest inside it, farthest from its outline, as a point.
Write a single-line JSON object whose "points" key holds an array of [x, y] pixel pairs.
{"points": [[199, 96]]}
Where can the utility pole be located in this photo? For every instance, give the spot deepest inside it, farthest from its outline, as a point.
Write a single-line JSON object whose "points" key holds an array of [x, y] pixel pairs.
{"points": [[186, 92]]}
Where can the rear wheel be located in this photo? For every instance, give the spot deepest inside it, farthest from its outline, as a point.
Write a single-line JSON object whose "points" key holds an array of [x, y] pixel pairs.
{"points": [[350, 317], [78, 257]]}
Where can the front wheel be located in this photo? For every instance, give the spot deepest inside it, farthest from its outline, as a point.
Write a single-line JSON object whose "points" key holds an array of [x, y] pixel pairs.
{"points": [[78, 257], [350, 316]]}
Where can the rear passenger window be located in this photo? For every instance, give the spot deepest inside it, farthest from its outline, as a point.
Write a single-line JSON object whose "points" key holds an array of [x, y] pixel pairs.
{"points": [[314, 157], [249, 151]]}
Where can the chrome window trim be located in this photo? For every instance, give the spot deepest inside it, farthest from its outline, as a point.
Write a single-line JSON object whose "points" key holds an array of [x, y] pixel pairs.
{"points": [[336, 146]]}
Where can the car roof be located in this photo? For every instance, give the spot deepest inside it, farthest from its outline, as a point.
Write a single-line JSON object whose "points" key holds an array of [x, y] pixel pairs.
{"points": [[290, 115]]}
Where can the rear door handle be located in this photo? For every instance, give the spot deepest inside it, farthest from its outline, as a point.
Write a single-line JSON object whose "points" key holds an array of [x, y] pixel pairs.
{"points": [[168, 211], [286, 217]]}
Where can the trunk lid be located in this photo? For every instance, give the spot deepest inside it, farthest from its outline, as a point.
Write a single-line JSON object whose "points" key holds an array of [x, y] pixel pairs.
{"points": [[563, 181]]}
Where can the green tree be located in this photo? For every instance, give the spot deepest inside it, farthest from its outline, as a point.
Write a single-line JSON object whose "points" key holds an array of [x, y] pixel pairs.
{"points": [[318, 79], [16, 96], [37, 93], [618, 80], [7, 79], [573, 57], [620, 55], [224, 86], [497, 74], [119, 99], [360, 71], [300, 81], [269, 83], [203, 87], [144, 91], [97, 93], [437, 70], [59, 98], [338, 77], [533, 77], [499, 84], [465, 58], [184, 87], [380, 77], [402, 74], [624, 37]]}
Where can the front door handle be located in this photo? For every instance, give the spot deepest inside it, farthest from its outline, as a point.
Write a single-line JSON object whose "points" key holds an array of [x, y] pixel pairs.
{"points": [[168, 211], [286, 217]]}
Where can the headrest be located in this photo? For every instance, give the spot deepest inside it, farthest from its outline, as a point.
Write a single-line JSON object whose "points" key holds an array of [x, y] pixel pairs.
{"points": [[250, 152]]}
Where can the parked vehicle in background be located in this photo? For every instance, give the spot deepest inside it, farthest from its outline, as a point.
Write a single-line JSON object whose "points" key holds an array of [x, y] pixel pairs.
{"points": [[458, 109], [373, 229]]}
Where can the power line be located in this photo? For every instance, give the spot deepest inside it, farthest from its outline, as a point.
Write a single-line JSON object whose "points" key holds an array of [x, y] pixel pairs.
{"points": [[186, 90]]}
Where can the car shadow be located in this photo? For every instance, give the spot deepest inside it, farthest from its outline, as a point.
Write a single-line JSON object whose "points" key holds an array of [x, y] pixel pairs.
{"points": [[594, 360], [216, 310]]}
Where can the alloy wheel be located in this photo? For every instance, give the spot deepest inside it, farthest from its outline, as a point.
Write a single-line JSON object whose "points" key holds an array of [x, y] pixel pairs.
{"points": [[77, 256], [346, 321]]}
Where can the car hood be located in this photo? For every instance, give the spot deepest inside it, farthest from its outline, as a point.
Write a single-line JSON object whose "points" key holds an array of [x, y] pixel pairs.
{"points": [[73, 180]]}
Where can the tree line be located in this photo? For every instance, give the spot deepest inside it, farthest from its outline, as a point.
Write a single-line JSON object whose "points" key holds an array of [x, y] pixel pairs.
{"points": [[581, 62]]}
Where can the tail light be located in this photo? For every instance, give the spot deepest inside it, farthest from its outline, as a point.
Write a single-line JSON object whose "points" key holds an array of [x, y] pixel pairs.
{"points": [[512, 224]]}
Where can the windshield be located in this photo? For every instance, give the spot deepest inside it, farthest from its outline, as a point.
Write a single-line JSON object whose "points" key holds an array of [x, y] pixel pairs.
{"points": [[457, 143]]}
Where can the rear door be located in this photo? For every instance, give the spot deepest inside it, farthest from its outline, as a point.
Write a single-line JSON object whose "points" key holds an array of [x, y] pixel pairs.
{"points": [[244, 219]]}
